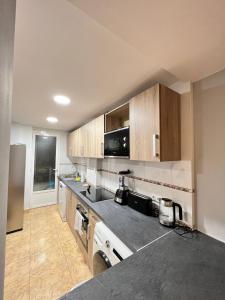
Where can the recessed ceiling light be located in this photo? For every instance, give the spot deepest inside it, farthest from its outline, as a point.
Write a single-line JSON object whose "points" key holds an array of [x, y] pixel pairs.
{"points": [[52, 119], [62, 100]]}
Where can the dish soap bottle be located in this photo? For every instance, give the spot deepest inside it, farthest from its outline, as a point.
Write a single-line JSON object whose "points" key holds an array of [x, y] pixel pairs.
{"points": [[77, 179]]}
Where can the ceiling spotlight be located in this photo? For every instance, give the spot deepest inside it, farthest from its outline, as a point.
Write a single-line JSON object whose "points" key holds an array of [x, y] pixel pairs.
{"points": [[62, 100], [52, 119]]}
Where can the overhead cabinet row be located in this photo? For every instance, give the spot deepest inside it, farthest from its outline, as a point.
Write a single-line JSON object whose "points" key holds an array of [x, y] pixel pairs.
{"points": [[88, 140], [147, 128]]}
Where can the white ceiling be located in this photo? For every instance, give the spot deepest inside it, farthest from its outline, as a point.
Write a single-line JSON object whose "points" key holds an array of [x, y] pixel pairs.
{"points": [[102, 51]]}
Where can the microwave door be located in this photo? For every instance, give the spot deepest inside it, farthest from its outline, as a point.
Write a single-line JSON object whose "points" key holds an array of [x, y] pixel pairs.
{"points": [[111, 146], [117, 143]]}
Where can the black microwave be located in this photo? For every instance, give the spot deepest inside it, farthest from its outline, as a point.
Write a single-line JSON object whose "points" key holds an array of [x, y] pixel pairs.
{"points": [[117, 143]]}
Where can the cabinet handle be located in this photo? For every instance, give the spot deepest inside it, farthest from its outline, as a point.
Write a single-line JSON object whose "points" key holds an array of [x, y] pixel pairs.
{"points": [[102, 149], [155, 138]]}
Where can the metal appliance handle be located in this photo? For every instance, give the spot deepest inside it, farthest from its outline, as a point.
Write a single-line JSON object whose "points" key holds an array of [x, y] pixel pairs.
{"points": [[155, 138], [180, 211]]}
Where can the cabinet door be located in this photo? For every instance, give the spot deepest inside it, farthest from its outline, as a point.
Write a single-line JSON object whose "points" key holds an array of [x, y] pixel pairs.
{"points": [[145, 125], [70, 144], [99, 137], [71, 212], [95, 138], [170, 139], [90, 139], [78, 143], [68, 204], [85, 140]]}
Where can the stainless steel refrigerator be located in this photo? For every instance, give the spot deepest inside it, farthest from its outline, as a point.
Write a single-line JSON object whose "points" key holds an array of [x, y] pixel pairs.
{"points": [[17, 164]]}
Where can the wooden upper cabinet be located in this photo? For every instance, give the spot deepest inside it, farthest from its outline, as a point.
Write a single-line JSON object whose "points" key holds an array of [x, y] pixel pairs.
{"points": [[155, 125], [99, 137], [96, 138], [71, 143], [88, 140]]}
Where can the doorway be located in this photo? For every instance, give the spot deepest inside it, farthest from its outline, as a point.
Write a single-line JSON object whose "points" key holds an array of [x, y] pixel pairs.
{"points": [[45, 165]]}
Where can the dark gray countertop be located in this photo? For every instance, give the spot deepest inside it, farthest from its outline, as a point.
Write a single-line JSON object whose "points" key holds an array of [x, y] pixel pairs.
{"points": [[172, 267], [133, 228]]}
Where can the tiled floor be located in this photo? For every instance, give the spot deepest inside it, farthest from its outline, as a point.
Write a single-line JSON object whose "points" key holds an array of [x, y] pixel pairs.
{"points": [[43, 261]]}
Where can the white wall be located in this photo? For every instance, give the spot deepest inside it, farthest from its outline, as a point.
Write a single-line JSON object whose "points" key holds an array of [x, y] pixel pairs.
{"points": [[23, 134], [209, 100]]}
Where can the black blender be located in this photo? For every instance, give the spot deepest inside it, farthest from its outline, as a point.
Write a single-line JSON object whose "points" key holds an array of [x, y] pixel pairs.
{"points": [[121, 195]]}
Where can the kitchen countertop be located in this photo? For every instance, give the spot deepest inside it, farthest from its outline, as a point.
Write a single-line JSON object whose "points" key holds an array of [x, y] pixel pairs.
{"points": [[167, 266], [128, 223], [172, 267]]}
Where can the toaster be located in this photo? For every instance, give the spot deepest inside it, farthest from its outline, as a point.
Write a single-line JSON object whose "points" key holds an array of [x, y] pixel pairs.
{"points": [[141, 203]]}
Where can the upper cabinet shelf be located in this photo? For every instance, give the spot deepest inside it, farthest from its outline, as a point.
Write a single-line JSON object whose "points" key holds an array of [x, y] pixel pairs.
{"points": [[117, 118], [155, 125], [88, 140]]}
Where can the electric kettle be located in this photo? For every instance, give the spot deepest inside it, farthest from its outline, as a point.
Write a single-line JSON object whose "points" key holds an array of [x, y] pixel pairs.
{"points": [[167, 212]]}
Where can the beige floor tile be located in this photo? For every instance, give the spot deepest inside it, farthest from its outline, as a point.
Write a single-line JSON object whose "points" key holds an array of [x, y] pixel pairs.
{"points": [[49, 281], [19, 291], [43, 261], [17, 250], [43, 243], [48, 233], [12, 257], [46, 257], [17, 271]]}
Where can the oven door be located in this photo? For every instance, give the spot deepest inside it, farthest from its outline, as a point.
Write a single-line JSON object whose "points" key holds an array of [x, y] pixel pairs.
{"points": [[84, 229], [117, 143], [81, 226]]}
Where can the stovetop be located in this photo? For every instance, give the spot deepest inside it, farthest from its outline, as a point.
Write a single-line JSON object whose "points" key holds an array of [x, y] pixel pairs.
{"points": [[98, 194]]}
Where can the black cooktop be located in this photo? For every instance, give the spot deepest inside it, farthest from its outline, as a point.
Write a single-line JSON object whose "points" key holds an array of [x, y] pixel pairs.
{"points": [[97, 194]]}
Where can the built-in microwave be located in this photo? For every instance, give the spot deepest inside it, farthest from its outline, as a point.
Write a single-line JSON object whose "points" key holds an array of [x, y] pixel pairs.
{"points": [[117, 143]]}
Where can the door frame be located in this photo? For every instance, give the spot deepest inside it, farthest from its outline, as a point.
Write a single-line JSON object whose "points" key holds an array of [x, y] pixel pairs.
{"points": [[45, 197]]}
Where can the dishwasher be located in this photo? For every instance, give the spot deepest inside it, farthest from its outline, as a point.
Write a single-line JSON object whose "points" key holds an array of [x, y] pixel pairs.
{"points": [[61, 202]]}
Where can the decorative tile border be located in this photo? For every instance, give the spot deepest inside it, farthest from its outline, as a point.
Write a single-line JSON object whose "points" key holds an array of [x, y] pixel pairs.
{"points": [[171, 186]]}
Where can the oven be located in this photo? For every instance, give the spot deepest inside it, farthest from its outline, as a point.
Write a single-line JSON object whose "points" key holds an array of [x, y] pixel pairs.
{"points": [[81, 224]]}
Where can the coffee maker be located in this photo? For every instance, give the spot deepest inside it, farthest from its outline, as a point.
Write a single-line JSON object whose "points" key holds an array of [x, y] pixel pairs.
{"points": [[121, 195]]}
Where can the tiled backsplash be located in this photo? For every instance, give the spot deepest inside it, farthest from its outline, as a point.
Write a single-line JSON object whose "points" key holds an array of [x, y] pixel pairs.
{"points": [[171, 180]]}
